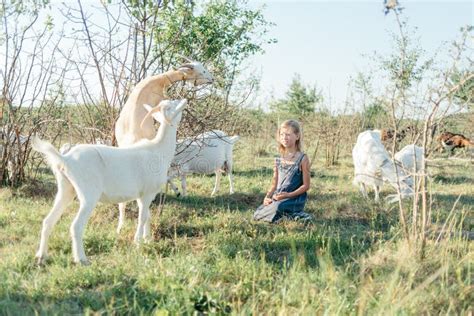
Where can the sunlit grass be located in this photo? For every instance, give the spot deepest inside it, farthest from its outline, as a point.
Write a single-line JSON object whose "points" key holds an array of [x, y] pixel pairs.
{"points": [[207, 254]]}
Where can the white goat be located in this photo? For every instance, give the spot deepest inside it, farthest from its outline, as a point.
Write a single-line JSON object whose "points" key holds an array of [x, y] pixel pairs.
{"points": [[207, 153], [65, 148], [98, 173], [411, 159], [133, 124], [373, 166]]}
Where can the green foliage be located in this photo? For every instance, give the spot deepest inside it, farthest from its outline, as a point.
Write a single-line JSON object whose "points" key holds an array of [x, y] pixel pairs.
{"points": [[404, 65], [374, 115], [299, 100], [465, 94], [49, 22], [22, 6], [221, 33], [20, 13]]}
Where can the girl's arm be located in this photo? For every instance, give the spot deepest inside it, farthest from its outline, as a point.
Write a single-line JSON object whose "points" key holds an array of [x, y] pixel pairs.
{"points": [[305, 168], [274, 182], [268, 197]]}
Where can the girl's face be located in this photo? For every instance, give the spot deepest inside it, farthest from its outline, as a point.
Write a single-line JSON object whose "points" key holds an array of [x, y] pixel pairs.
{"points": [[288, 137]]}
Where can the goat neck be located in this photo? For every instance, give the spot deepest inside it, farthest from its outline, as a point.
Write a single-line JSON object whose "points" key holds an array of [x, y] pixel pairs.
{"points": [[152, 89], [168, 124], [166, 133], [172, 76], [158, 84], [388, 174]]}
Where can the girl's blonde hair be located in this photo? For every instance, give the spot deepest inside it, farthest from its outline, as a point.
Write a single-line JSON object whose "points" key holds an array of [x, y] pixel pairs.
{"points": [[295, 126]]}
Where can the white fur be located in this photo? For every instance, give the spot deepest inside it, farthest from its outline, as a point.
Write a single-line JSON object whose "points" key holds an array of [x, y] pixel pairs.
{"points": [[66, 147], [132, 125], [373, 166], [99, 173], [152, 90], [210, 152], [411, 159]]}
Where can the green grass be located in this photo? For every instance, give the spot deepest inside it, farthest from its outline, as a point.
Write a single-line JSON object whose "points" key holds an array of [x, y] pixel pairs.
{"points": [[208, 256]]}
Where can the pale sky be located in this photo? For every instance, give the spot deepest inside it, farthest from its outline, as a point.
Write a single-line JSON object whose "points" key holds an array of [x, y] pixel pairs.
{"points": [[324, 41]]}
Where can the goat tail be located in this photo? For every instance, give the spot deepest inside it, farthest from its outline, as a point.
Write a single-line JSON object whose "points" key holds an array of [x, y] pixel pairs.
{"points": [[54, 158]]}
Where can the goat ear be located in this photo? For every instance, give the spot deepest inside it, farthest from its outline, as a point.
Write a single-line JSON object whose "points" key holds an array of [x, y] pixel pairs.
{"points": [[189, 66], [151, 110]]}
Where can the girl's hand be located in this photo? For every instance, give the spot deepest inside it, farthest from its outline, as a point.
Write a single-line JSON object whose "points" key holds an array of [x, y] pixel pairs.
{"points": [[267, 201], [281, 196]]}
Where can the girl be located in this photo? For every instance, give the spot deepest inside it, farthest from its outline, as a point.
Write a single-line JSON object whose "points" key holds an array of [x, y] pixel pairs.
{"points": [[291, 178]]}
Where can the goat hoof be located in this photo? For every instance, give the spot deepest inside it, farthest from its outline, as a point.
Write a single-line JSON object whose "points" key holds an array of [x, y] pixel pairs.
{"points": [[178, 194], [84, 262], [41, 261]]}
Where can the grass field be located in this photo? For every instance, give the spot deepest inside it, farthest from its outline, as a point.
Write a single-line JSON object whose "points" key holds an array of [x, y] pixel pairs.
{"points": [[208, 256]]}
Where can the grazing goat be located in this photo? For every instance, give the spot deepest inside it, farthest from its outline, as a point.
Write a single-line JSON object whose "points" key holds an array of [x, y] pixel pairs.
{"points": [[451, 141], [411, 159], [98, 173], [207, 153], [130, 127], [373, 166]]}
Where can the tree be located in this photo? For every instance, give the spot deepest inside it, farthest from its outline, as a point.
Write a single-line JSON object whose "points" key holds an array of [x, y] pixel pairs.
{"points": [[299, 100], [31, 78], [461, 75], [143, 38], [374, 116], [101, 55], [413, 82], [465, 94]]}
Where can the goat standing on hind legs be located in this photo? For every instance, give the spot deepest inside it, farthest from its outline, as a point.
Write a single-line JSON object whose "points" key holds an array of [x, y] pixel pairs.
{"points": [[98, 173], [133, 123]]}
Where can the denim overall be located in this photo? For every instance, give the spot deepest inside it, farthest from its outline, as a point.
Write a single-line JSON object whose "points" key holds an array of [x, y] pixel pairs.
{"points": [[290, 178]]}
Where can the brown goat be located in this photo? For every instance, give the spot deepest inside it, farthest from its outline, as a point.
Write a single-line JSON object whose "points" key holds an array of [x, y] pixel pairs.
{"points": [[450, 141]]}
